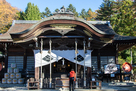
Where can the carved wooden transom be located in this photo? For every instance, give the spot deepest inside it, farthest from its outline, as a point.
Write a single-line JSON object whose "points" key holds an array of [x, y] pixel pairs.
{"points": [[63, 28]]}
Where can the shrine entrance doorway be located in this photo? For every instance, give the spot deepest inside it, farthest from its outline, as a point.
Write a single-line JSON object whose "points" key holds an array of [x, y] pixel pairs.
{"points": [[62, 67]]}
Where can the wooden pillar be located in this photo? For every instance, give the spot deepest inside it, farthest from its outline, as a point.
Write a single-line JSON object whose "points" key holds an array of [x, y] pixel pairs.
{"points": [[37, 68], [79, 70], [6, 57], [89, 73], [116, 60], [25, 60], [98, 60], [37, 73]]}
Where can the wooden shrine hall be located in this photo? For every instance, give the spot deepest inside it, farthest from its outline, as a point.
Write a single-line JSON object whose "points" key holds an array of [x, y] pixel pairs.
{"points": [[54, 45]]}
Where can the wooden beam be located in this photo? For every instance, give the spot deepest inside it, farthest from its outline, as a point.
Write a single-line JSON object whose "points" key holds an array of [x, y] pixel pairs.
{"points": [[61, 37]]}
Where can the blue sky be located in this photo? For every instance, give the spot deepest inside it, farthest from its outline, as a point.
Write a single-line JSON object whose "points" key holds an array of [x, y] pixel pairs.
{"points": [[54, 4]]}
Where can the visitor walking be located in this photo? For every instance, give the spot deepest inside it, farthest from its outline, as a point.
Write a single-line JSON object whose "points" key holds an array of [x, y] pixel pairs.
{"points": [[72, 79]]}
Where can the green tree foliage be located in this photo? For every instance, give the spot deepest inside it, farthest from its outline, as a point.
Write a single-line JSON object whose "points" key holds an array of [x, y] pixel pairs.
{"points": [[134, 6], [21, 15], [122, 17], [134, 55], [123, 22], [72, 9], [106, 10], [47, 13], [83, 14], [32, 12], [56, 10], [91, 15]]}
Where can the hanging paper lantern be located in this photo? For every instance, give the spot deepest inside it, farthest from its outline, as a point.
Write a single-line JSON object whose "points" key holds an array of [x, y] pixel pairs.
{"points": [[127, 67]]}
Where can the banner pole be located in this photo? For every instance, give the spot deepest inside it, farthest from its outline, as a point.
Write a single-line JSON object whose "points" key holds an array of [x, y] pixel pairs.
{"points": [[41, 62], [76, 61], [50, 62]]}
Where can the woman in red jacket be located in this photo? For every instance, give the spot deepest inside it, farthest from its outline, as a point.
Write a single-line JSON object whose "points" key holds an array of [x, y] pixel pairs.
{"points": [[72, 79]]}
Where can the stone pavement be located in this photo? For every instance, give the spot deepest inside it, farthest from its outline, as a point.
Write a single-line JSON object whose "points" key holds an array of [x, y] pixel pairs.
{"points": [[118, 86]]}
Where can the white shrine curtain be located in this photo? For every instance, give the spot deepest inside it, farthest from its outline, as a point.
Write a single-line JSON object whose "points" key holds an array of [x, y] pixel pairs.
{"points": [[59, 54]]}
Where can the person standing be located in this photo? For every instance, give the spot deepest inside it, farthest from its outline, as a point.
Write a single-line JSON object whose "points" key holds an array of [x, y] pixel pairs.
{"points": [[72, 79]]}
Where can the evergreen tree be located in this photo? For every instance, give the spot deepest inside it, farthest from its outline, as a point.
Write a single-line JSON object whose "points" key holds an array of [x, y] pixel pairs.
{"points": [[83, 14], [72, 9], [32, 12], [47, 13], [91, 15], [134, 7], [20, 15], [106, 10], [56, 10], [123, 22]]}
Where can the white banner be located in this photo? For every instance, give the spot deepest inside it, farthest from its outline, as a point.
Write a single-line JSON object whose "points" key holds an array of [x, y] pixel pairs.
{"points": [[59, 54]]}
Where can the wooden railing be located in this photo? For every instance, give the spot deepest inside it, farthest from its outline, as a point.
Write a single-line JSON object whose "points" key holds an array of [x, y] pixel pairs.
{"points": [[93, 84], [46, 83], [33, 83]]}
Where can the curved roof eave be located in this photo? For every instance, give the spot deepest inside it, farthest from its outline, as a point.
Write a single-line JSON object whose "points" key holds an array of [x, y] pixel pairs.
{"points": [[63, 18]]}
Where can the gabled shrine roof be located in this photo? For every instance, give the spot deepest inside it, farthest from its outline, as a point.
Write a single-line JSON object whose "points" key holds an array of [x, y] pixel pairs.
{"points": [[106, 27], [99, 33], [19, 26]]}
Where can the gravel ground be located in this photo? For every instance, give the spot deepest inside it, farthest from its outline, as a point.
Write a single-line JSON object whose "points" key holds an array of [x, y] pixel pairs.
{"points": [[118, 86]]}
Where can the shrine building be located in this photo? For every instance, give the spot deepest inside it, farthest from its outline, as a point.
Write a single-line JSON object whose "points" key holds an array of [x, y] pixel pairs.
{"points": [[54, 45]]}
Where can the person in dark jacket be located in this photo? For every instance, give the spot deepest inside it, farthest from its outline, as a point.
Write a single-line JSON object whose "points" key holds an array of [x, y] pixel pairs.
{"points": [[72, 79]]}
